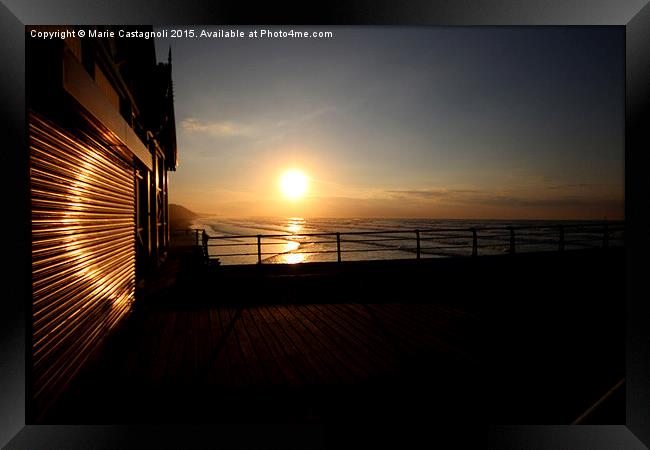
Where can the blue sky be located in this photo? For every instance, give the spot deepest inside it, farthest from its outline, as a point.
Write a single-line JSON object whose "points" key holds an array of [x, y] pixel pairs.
{"points": [[466, 122]]}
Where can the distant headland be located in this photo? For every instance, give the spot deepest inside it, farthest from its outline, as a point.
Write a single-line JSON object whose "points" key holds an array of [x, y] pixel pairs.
{"points": [[180, 217]]}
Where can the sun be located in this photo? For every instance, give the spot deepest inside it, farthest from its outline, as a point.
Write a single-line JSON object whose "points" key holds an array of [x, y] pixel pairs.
{"points": [[293, 184]]}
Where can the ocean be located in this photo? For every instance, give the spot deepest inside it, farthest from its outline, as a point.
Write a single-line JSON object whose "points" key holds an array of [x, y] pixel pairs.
{"points": [[234, 241]]}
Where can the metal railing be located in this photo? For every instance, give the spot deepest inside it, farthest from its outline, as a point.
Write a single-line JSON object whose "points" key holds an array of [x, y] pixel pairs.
{"points": [[421, 243]]}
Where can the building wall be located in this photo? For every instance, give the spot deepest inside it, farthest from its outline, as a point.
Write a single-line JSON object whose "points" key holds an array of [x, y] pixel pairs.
{"points": [[83, 249], [101, 141]]}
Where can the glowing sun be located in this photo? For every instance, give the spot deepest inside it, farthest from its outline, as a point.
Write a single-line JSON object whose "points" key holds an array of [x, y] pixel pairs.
{"points": [[293, 184]]}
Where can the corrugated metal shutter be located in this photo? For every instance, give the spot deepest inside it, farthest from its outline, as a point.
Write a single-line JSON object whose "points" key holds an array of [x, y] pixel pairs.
{"points": [[83, 250]]}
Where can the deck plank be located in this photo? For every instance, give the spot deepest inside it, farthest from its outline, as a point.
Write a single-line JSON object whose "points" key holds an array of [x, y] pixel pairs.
{"points": [[193, 347], [451, 324], [237, 370], [175, 351], [380, 345], [346, 369], [293, 355], [332, 369], [341, 341], [272, 373], [363, 350], [420, 329], [161, 349], [258, 374], [410, 330], [288, 368], [216, 369], [394, 331], [319, 372], [141, 356]]}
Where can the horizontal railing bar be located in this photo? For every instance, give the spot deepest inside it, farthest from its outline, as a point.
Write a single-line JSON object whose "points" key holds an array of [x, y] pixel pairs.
{"points": [[363, 241], [306, 252], [467, 235], [449, 254], [469, 247], [236, 244], [504, 245], [576, 227], [527, 239], [311, 252], [379, 250], [220, 255], [273, 243], [329, 251], [254, 236]]}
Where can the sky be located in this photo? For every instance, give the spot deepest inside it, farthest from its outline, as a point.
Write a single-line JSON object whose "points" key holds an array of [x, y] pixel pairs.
{"points": [[429, 122]]}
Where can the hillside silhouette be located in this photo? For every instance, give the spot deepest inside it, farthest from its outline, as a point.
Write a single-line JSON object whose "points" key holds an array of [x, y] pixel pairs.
{"points": [[180, 216]]}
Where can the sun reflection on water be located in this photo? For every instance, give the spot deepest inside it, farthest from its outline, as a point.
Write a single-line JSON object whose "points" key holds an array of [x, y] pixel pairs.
{"points": [[291, 246], [293, 258], [295, 224], [288, 257]]}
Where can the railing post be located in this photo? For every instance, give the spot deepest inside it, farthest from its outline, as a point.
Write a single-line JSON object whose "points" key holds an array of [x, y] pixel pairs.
{"points": [[561, 244], [417, 236], [204, 241], [259, 249], [605, 236], [474, 242], [512, 240], [338, 247]]}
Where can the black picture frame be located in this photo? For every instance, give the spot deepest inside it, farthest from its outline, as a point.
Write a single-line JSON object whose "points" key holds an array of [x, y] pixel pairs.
{"points": [[634, 15]]}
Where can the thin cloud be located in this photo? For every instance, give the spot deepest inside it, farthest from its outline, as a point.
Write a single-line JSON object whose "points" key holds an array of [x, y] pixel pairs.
{"points": [[553, 202], [575, 185], [219, 128], [431, 193], [474, 197], [282, 128]]}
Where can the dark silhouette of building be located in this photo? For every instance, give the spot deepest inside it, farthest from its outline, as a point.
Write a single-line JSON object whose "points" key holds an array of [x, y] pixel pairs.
{"points": [[101, 140]]}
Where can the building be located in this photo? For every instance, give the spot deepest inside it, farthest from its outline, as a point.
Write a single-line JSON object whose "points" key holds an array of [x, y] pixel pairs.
{"points": [[101, 138]]}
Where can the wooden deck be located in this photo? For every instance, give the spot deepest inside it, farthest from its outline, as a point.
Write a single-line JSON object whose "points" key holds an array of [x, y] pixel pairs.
{"points": [[294, 345], [424, 345], [274, 362]]}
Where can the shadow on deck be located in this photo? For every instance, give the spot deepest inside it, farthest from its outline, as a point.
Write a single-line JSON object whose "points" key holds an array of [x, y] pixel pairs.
{"points": [[530, 338]]}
